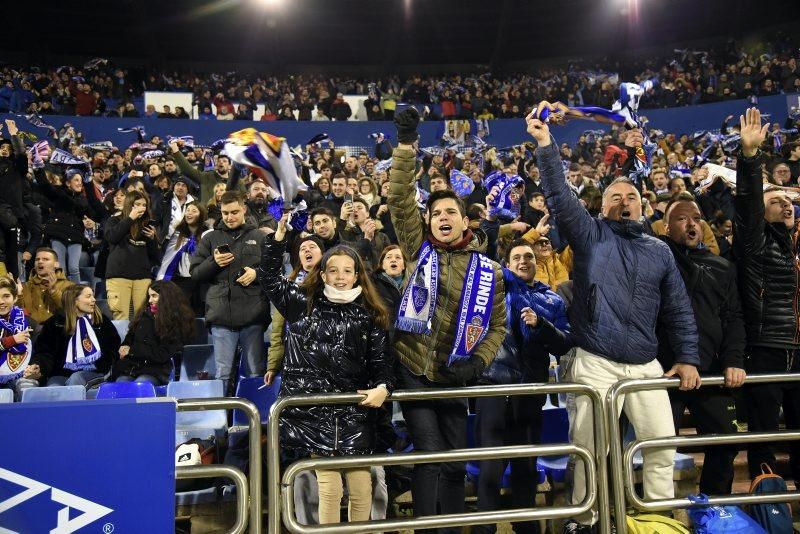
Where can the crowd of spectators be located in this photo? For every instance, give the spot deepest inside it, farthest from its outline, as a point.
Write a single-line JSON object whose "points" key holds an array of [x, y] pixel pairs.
{"points": [[685, 77], [163, 227]]}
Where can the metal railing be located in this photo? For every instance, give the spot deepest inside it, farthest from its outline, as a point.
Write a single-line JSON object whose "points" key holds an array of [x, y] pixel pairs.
{"points": [[254, 423], [439, 521], [213, 471], [596, 492], [622, 463]]}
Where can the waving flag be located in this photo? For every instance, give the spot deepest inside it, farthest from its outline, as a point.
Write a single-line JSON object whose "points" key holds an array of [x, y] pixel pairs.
{"points": [[62, 157], [188, 140], [140, 133], [37, 121], [268, 157], [461, 183]]}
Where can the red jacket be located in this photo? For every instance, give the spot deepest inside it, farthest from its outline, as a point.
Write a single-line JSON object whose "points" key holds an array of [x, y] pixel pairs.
{"points": [[85, 103]]}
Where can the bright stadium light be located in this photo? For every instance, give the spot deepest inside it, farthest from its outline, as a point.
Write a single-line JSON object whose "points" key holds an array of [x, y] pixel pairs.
{"points": [[271, 3]]}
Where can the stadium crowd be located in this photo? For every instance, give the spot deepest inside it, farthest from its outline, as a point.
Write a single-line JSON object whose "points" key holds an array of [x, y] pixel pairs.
{"points": [[690, 272], [686, 77]]}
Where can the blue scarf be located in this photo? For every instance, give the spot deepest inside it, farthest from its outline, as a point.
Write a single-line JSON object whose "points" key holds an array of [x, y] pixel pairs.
{"points": [[418, 304], [83, 348], [13, 360], [176, 256]]}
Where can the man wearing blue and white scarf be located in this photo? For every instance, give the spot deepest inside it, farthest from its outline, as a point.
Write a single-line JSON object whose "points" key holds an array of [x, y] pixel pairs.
{"points": [[451, 322]]}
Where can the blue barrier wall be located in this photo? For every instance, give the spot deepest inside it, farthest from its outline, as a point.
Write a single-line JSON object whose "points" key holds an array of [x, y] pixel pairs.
{"points": [[503, 132]]}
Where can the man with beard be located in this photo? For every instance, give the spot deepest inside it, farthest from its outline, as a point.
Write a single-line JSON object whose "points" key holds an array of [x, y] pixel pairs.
{"points": [[258, 196]]}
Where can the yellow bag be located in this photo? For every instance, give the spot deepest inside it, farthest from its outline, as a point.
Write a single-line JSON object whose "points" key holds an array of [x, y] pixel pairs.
{"points": [[654, 524]]}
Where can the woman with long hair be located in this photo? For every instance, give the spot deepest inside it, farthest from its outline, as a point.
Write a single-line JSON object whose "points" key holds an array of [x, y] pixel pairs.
{"points": [[212, 206], [157, 333], [368, 191], [178, 251], [133, 251], [388, 279], [76, 346], [335, 342]]}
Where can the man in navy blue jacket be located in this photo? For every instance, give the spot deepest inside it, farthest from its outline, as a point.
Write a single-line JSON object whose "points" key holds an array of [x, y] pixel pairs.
{"points": [[625, 281]]}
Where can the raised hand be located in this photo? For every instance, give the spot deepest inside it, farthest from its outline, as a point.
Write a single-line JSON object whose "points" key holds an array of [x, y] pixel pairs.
{"points": [[752, 132], [538, 129]]}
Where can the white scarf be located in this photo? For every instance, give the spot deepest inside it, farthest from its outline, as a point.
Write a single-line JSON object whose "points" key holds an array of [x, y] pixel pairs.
{"points": [[83, 348], [341, 297]]}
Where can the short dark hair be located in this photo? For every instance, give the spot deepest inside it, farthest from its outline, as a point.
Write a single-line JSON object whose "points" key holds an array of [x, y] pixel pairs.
{"points": [[442, 195], [683, 196], [321, 211], [338, 177], [537, 194], [474, 211], [229, 197], [519, 242], [362, 201], [443, 176], [224, 156], [47, 250]]}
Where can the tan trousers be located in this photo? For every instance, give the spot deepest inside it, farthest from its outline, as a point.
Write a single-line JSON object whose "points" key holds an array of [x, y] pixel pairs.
{"points": [[122, 292], [359, 485], [648, 411]]}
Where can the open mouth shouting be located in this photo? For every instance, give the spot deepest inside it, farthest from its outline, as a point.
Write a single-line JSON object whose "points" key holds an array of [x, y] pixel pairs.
{"points": [[446, 230]]}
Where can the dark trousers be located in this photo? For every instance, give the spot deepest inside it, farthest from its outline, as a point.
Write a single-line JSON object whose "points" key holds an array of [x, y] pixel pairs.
{"points": [[435, 426], [764, 402], [505, 421], [713, 412]]}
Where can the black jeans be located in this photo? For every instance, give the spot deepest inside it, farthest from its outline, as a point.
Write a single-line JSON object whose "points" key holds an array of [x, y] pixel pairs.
{"points": [[764, 402], [508, 421], [713, 412], [435, 426]]}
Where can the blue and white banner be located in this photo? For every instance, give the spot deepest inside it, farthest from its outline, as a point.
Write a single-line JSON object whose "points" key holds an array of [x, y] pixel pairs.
{"points": [[62, 157]]}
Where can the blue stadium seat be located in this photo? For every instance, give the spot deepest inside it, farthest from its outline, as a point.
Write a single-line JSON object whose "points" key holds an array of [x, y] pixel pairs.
{"points": [[201, 333], [196, 359], [6, 395], [198, 424], [251, 389], [122, 327], [126, 390], [54, 394]]}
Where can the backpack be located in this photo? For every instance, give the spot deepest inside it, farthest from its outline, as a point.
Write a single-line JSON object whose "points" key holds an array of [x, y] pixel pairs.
{"points": [[654, 524], [708, 519], [195, 452], [776, 517]]}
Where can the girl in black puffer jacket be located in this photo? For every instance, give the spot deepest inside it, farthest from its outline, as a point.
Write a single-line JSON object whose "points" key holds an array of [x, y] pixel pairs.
{"points": [[336, 342]]}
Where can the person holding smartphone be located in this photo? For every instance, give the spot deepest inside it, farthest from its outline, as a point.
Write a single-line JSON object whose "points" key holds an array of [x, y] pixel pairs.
{"points": [[236, 310], [133, 252]]}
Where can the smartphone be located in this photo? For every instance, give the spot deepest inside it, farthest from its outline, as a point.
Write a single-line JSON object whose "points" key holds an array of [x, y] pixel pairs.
{"points": [[348, 198], [224, 249], [153, 223]]}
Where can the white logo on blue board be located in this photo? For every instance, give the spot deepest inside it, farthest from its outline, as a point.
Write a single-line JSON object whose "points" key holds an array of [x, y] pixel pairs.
{"points": [[91, 511]]}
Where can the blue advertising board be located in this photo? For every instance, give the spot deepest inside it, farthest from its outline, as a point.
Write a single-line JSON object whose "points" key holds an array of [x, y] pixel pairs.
{"points": [[88, 467]]}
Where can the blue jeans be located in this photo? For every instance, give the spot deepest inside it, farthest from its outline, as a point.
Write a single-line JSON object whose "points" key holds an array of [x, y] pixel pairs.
{"points": [[250, 338], [69, 257], [141, 378], [78, 378]]}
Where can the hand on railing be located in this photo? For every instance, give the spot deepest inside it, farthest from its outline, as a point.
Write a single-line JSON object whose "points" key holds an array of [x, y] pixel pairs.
{"points": [[690, 378]]}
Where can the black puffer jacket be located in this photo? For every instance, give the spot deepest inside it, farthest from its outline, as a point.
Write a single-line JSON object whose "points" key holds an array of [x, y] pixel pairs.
{"points": [[149, 355], [335, 348], [711, 284], [768, 270], [65, 222]]}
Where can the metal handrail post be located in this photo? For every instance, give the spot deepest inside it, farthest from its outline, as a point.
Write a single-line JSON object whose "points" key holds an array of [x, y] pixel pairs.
{"points": [[612, 423], [227, 471], [254, 422], [710, 439], [273, 452], [478, 518]]}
